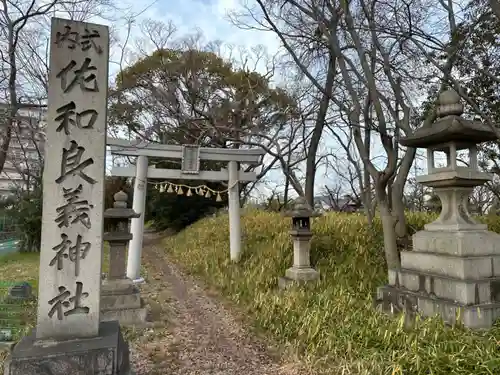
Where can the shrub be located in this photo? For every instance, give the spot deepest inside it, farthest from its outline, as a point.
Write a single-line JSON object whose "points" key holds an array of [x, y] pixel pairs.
{"points": [[332, 323], [24, 208], [175, 212]]}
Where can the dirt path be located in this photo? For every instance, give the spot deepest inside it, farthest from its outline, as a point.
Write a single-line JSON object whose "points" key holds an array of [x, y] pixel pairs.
{"points": [[201, 336]]}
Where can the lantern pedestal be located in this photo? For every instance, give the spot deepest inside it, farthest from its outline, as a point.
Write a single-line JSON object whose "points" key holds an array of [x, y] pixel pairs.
{"points": [[453, 269], [121, 300]]}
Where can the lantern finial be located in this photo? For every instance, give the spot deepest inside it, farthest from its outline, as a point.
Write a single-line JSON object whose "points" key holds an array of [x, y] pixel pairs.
{"points": [[120, 199], [449, 104]]}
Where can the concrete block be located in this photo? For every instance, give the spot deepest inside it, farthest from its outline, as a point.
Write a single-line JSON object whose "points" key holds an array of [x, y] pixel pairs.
{"points": [[126, 317], [467, 243], [120, 301], [302, 274], [467, 292], [297, 276], [452, 266], [394, 301], [106, 354]]}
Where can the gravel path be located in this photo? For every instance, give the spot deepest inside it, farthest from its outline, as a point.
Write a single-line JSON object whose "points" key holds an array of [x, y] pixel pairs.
{"points": [[201, 336]]}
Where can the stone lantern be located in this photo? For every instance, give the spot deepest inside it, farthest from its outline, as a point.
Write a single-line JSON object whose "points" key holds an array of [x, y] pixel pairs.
{"points": [[301, 271], [120, 297], [454, 267]]}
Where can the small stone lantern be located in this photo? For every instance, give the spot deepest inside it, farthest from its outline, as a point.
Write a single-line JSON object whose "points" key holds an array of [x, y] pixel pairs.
{"points": [[301, 271], [120, 298], [453, 269]]}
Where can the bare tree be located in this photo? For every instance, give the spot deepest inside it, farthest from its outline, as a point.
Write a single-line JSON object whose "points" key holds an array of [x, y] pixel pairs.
{"points": [[370, 91], [24, 47], [222, 103]]}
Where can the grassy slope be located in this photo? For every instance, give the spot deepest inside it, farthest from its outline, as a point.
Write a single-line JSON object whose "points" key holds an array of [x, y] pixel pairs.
{"points": [[16, 267], [332, 323]]}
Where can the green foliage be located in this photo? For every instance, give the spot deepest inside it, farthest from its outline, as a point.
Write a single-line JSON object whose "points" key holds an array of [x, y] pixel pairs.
{"points": [[332, 324], [175, 212], [480, 56], [184, 95], [479, 61], [25, 210]]}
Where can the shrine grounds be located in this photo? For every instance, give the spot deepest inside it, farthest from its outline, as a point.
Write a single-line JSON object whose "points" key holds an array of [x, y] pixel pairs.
{"points": [[331, 326]]}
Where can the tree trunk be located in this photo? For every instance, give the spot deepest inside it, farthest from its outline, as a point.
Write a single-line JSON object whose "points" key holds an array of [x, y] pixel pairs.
{"points": [[317, 132], [398, 210], [285, 194], [367, 181], [369, 209], [13, 105], [389, 230]]}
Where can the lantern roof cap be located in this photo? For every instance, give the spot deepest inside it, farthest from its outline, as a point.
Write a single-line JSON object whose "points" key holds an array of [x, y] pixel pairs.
{"points": [[450, 126], [301, 208]]}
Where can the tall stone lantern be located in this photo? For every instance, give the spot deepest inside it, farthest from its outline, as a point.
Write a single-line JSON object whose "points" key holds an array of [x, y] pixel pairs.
{"points": [[454, 267], [301, 271], [120, 297]]}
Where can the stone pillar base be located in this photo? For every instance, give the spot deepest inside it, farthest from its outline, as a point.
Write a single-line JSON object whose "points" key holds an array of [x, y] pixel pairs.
{"points": [[107, 354], [396, 300], [297, 276], [453, 274], [121, 300]]}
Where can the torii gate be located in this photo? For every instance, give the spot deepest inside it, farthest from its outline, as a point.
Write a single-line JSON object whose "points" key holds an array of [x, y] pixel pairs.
{"points": [[190, 156]]}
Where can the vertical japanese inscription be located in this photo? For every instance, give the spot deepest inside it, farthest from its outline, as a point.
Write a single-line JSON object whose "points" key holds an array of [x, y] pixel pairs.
{"points": [[73, 181]]}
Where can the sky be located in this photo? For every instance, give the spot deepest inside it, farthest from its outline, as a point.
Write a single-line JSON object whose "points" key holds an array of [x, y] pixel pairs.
{"points": [[210, 18], [207, 16]]}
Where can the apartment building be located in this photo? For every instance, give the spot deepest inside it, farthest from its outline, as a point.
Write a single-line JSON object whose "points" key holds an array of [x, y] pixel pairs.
{"points": [[26, 150]]}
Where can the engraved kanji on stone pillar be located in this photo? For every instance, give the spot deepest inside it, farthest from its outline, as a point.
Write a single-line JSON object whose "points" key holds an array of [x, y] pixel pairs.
{"points": [[69, 337], [73, 182]]}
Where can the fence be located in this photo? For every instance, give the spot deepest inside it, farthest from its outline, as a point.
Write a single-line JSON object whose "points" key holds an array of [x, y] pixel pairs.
{"points": [[8, 235], [8, 228], [17, 310]]}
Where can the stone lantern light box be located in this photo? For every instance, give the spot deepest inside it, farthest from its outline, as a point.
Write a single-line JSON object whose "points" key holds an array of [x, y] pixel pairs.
{"points": [[301, 214], [453, 269]]}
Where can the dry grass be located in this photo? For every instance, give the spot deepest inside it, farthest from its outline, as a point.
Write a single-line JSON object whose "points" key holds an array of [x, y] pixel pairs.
{"points": [[331, 325], [17, 267]]}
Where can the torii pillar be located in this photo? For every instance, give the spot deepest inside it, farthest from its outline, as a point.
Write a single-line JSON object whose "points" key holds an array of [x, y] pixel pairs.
{"points": [[137, 224]]}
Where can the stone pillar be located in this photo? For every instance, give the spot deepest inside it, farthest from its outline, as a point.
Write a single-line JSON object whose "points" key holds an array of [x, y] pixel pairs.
{"points": [[301, 271], [120, 298], [453, 269], [69, 337], [137, 224], [234, 212]]}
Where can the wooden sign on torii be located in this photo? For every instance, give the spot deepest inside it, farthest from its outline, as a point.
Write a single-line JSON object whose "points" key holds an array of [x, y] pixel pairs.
{"points": [[190, 156]]}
